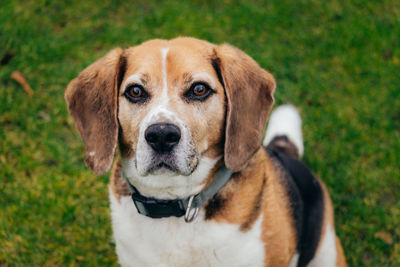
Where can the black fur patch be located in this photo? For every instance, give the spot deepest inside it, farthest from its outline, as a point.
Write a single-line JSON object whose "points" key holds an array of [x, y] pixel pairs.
{"points": [[283, 145], [307, 199], [121, 70], [216, 62], [214, 205]]}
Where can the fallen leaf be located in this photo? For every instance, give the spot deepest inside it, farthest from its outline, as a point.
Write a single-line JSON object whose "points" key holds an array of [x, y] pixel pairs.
{"points": [[385, 237], [44, 116], [19, 78]]}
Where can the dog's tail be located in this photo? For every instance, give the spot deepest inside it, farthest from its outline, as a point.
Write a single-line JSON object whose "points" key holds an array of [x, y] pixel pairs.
{"points": [[284, 132]]}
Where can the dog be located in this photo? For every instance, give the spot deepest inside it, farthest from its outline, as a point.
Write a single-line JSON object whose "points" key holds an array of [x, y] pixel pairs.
{"points": [[193, 185]]}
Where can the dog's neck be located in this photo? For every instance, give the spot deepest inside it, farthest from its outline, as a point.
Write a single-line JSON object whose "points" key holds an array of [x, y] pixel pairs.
{"points": [[187, 207], [242, 190]]}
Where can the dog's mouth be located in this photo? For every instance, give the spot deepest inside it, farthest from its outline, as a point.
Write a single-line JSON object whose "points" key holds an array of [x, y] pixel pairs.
{"points": [[161, 167], [168, 165], [162, 164]]}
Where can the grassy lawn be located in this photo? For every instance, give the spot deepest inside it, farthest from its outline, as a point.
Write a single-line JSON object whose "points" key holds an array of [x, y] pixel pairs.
{"points": [[338, 61]]}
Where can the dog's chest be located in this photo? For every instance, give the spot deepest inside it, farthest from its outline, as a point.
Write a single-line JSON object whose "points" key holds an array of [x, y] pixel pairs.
{"points": [[142, 241]]}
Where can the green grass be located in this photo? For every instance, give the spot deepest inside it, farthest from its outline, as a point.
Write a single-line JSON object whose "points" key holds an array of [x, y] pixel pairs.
{"points": [[338, 61]]}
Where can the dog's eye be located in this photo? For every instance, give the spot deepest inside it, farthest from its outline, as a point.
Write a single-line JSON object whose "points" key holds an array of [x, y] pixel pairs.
{"points": [[135, 93], [198, 91]]}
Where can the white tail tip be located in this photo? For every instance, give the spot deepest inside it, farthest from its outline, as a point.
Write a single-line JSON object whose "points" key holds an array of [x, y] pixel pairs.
{"points": [[285, 120]]}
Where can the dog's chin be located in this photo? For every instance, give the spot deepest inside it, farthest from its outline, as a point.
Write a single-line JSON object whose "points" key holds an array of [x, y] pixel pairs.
{"points": [[168, 167]]}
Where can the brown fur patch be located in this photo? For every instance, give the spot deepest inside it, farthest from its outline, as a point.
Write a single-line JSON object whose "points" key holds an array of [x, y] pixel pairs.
{"points": [[239, 195], [241, 192], [118, 185], [278, 230], [256, 210], [92, 102], [249, 90], [282, 144], [253, 192]]}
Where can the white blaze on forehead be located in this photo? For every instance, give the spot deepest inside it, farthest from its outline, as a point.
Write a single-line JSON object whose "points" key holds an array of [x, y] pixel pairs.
{"points": [[164, 96], [158, 114]]}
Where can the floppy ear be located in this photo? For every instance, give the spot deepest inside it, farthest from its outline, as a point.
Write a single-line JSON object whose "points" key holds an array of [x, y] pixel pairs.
{"points": [[92, 102], [249, 91]]}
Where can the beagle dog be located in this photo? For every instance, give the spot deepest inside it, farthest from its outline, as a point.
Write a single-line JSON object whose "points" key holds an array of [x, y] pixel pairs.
{"points": [[193, 185]]}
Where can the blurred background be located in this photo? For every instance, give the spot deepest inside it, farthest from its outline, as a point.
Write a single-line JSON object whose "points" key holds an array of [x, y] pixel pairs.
{"points": [[337, 61]]}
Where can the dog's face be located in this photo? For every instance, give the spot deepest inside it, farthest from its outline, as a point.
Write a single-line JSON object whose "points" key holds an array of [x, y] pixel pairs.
{"points": [[171, 108], [175, 108]]}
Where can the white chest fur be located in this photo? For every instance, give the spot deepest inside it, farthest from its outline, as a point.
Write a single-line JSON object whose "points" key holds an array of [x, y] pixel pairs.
{"points": [[142, 241]]}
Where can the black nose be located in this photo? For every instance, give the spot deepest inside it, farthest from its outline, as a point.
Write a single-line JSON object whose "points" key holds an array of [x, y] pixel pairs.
{"points": [[162, 137]]}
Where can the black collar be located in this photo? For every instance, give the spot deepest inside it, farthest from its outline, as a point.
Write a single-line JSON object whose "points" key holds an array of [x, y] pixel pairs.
{"points": [[187, 207]]}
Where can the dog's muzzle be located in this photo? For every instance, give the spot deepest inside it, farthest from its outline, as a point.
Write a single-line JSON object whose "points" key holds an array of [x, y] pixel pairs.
{"points": [[163, 140]]}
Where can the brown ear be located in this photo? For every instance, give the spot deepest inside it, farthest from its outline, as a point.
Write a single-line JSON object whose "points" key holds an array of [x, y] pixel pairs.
{"points": [[249, 90], [92, 102]]}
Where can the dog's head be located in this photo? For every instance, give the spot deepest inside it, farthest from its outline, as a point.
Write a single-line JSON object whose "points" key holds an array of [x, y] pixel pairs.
{"points": [[175, 108]]}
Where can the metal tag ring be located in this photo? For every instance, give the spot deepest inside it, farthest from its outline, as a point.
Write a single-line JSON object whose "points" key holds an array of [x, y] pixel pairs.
{"points": [[191, 213]]}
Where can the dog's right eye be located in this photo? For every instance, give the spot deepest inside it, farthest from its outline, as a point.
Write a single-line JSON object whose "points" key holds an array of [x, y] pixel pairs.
{"points": [[135, 93]]}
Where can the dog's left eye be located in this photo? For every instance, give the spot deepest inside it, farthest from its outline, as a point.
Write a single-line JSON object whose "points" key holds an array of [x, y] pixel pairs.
{"points": [[198, 91], [135, 93]]}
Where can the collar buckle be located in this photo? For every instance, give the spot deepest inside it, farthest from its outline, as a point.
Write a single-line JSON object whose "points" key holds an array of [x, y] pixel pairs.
{"points": [[191, 212]]}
